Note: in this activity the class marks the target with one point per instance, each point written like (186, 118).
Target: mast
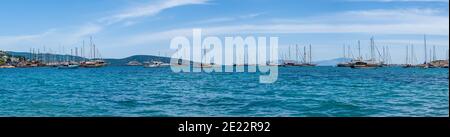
(425, 44)
(434, 52)
(82, 51)
(359, 49)
(372, 50)
(348, 52)
(430, 56)
(95, 50)
(31, 55)
(384, 54)
(76, 53)
(446, 53)
(413, 57)
(310, 54)
(388, 55)
(343, 49)
(304, 54)
(44, 55)
(407, 55)
(289, 54)
(91, 50)
(38, 54)
(296, 53)
(72, 55)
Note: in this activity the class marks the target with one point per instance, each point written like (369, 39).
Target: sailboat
(307, 58)
(69, 64)
(425, 64)
(372, 62)
(201, 64)
(155, 64)
(94, 62)
(407, 62)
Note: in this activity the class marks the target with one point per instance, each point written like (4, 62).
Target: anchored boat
(155, 64)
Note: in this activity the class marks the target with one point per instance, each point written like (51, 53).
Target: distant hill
(144, 58)
(139, 58)
(47, 56)
(332, 62)
(112, 62)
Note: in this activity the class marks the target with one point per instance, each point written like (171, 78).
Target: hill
(112, 62)
(46, 56)
(139, 58)
(144, 58)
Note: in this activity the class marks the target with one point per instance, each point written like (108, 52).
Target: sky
(121, 28)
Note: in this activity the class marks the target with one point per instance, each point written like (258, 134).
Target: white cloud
(71, 35)
(7, 40)
(382, 21)
(228, 19)
(88, 29)
(148, 10)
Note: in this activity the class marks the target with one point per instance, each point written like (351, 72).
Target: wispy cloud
(381, 21)
(148, 10)
(229, 19)
(7, 40)
(76, 33)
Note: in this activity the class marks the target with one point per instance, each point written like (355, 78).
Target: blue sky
(128, 27)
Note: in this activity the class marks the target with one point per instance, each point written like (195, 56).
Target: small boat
(93, 64)
(201, 65)
(7, 66)
(155, 64)
(362, 64)
(72, 66)
(346, 64)
(68, 66)
(305, 65)
(408, 66)
(134, 63)
(425, 66)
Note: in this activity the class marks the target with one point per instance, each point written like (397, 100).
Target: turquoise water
(304, 92)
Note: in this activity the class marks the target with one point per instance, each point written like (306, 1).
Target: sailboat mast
(407, 55)
(384, 54)
(434, 52)
(372, 50)
(359, 49)
(304, 54)
(310, 54)
(95, 50)
(348, 51)
(289, 53)
(343, 49)
(82, 51)
(430, 56)
(71, 55)
(425, 44)
(296, 53)
(413, 57)
(31, 55)
(90, 48)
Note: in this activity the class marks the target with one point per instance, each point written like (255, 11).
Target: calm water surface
(304, 92)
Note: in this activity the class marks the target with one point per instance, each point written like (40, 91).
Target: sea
(123, 91)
